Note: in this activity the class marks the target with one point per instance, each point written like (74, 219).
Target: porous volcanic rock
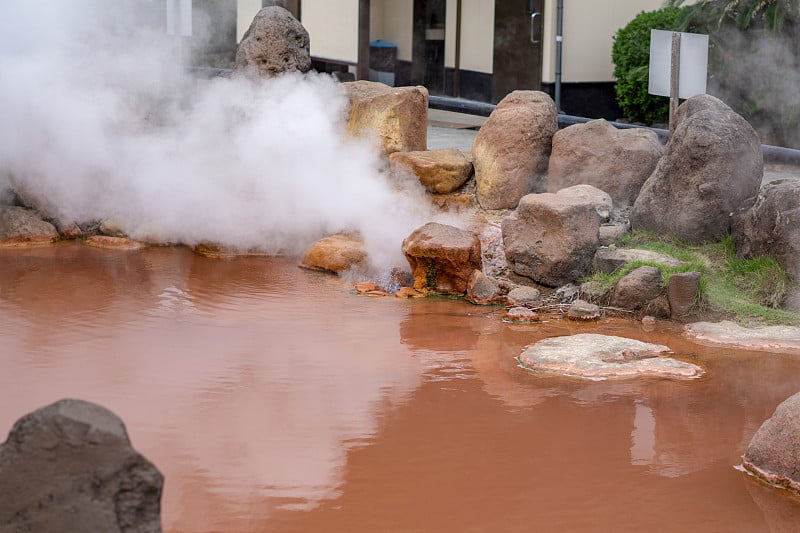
(784, 339)
(439, 171)
(442, 257)
(274, 43)
(512, 149)
(774, 451)
(395, 117)
(637, 289)
(594, 356)
(336, 253)
(596, 153)
(551, 238)
(712, 166)
(481, 289)
(70, 466)
(771, 225)
(608, 260)
(20, 226)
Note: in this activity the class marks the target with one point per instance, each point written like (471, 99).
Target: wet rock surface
(442, 258)
(713, 164)
(274, 43)
(439, 171)
(114, 243)
(20, 227)
(336, 253)
(583, 311)
(70, 466)
(596, 356)
(551, 238)
(596, 153)
(774, 451)
(395, 117)
(771, 225)
(512, 149)
(785, 339)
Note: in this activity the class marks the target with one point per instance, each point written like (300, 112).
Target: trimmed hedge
(631, 57)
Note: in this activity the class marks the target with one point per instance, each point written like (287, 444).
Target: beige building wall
(245, 12)
(333, 27)
(393, 20)
(589, 27)
(477, 35)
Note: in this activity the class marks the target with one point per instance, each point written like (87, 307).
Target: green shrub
(631, 57)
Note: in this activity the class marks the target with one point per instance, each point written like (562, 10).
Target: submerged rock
(274, 43)
(70, 466)
(20, 227)
(774, 451)
(442, 258)
(336, 253)
(785, 339)
(521, 314)
(596, 356)
(395, 117)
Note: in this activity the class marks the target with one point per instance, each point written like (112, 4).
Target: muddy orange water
(275, 399)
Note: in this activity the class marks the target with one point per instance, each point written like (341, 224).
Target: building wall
(245, 11)
(392, 20)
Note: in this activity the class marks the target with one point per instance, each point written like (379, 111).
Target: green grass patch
(749, 290)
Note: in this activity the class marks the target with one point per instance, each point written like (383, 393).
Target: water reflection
(276, 399)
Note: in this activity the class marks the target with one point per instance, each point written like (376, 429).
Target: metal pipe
(362, 70)
(457, 68)
(559, 42)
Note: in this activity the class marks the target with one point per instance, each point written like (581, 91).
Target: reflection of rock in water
(781, 511)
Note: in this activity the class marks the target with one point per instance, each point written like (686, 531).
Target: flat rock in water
(784, 339)
(598, 357)
(114, 243)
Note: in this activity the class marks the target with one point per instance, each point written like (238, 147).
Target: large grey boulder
(442, 258)
(774, 451)
(274, 43)
(395, 118)
(771, 225)
(512, 149)
(613, 160)
(551, 238)
(20, 226)
(712, 166)
(595, 356)
(70, 466)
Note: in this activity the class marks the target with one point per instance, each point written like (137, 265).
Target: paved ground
(457, 130)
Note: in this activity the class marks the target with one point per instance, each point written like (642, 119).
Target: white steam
(97, 121)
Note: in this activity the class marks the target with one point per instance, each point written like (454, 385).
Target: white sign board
(693, 69)
(179, 17)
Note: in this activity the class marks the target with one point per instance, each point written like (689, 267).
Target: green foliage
(631, 56)
(750, 290)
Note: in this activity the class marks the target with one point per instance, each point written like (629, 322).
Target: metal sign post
(678, 67)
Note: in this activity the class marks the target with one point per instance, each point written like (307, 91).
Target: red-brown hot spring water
(276, 399)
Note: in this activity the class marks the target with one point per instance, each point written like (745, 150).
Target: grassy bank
(747, 290)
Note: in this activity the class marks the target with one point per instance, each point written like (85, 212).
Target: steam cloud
(97, 121)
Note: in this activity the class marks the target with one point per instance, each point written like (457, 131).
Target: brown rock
(774, 451)
(712, 166)
(582, 310)
(596, 153)
(369, 288)
(20, 227)
(442, 258)
(512, 149)
(336, 253)
(522, 295)
(439, 171)
(274, 43)
(396, 117)
(770, 225)
(114, 243)
(551, 238)
(682, 292)
(637, 289)
(599, 199)
(521, 314)
(408, 292)
(70, 467)
(482, 290)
